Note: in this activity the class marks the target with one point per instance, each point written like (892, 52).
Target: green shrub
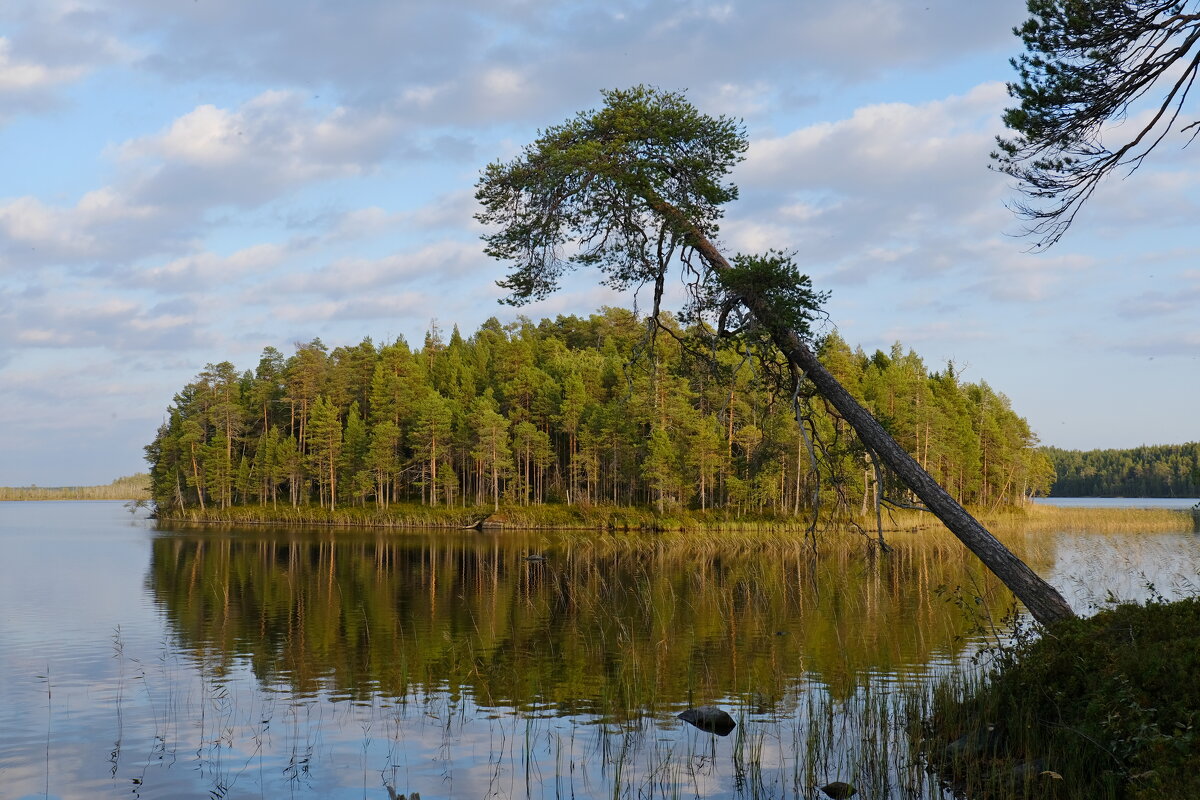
(1108, 703)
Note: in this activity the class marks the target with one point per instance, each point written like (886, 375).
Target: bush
(1108, 703)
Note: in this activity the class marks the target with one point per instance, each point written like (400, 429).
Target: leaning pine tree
(636, 188)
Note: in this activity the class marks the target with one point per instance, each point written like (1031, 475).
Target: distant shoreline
(130, 487)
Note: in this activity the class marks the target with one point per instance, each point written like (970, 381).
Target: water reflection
(251, 663)
(613, 629)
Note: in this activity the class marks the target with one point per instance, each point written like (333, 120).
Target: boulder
(709, 718)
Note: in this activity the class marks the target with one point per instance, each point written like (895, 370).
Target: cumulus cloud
(103, 225)
(19, 75)
(168, 185)
(259, 173)
(439, 263)
(206, 269)
(453, 210)
(464, 63)
(275, 142)
(47, 47)
(893, 186)
(81, 319)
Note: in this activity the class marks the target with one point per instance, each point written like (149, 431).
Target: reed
(516, 517)
(1096, 708)
(1097, 520)
(728, 526)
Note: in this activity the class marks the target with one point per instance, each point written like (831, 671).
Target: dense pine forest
(573, 411)
(1155, 471)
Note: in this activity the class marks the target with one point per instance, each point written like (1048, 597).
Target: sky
(191, 181)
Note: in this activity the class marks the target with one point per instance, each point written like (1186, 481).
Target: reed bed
(541, 517)
(1095, 520)
(729, 525)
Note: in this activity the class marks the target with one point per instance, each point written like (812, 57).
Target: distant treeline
(574, 411)
(130, 487)
(1171, 470)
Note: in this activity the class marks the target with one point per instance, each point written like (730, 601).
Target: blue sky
(191, 182)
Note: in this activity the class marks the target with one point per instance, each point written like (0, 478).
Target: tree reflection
(601, 626)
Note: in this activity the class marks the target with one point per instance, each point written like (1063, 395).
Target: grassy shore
(1104, 707)
(625, 518)
(1112, 520)
(549, 516)
(130, 487)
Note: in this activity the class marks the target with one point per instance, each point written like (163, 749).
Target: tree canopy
(639, 184)
(632, 188)
(1147, 471)
(1089, 64)
(549, 412)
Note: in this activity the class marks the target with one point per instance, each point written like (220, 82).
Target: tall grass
(1096, 708)
(637, 518)
(1095, 520)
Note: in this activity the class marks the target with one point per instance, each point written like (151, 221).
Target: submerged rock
(710, 719)
(838, 790)
(974, 744)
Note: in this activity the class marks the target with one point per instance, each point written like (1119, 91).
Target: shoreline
(634, 519)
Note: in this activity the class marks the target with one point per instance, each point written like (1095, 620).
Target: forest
(1147, 471)
(128, 487)
(574, 411)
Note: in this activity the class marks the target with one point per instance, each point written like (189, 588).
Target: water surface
(266, 663)
(1119, 502)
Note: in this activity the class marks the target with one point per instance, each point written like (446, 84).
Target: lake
(1118, 502)
(211, 663)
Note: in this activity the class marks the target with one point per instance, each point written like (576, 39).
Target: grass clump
(1104, 707)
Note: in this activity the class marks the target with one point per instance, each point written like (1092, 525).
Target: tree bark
(1043, 601)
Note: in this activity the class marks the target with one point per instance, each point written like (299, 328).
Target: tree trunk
(1043, 601)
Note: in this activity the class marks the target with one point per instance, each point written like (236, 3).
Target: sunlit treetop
(590, 191)
(633, 188)
(1089, 63)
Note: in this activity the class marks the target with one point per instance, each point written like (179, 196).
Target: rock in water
(838, 790)
(710, 719)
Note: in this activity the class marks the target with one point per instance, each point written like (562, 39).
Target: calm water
(1119, 502)
(193, 664)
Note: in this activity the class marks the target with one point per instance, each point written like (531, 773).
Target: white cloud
(208, 269)
(273, 143)
(102, 225)
(437, 263)
(17, 75)
(883, 145)
(80, 318)
(893, 186)
(1030, 278)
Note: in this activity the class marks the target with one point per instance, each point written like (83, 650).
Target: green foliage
(1110, 703)
(570, 411)
(1148, 471)
(636, 188)
(774, 277)
(1087, 64)
(587, 192)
